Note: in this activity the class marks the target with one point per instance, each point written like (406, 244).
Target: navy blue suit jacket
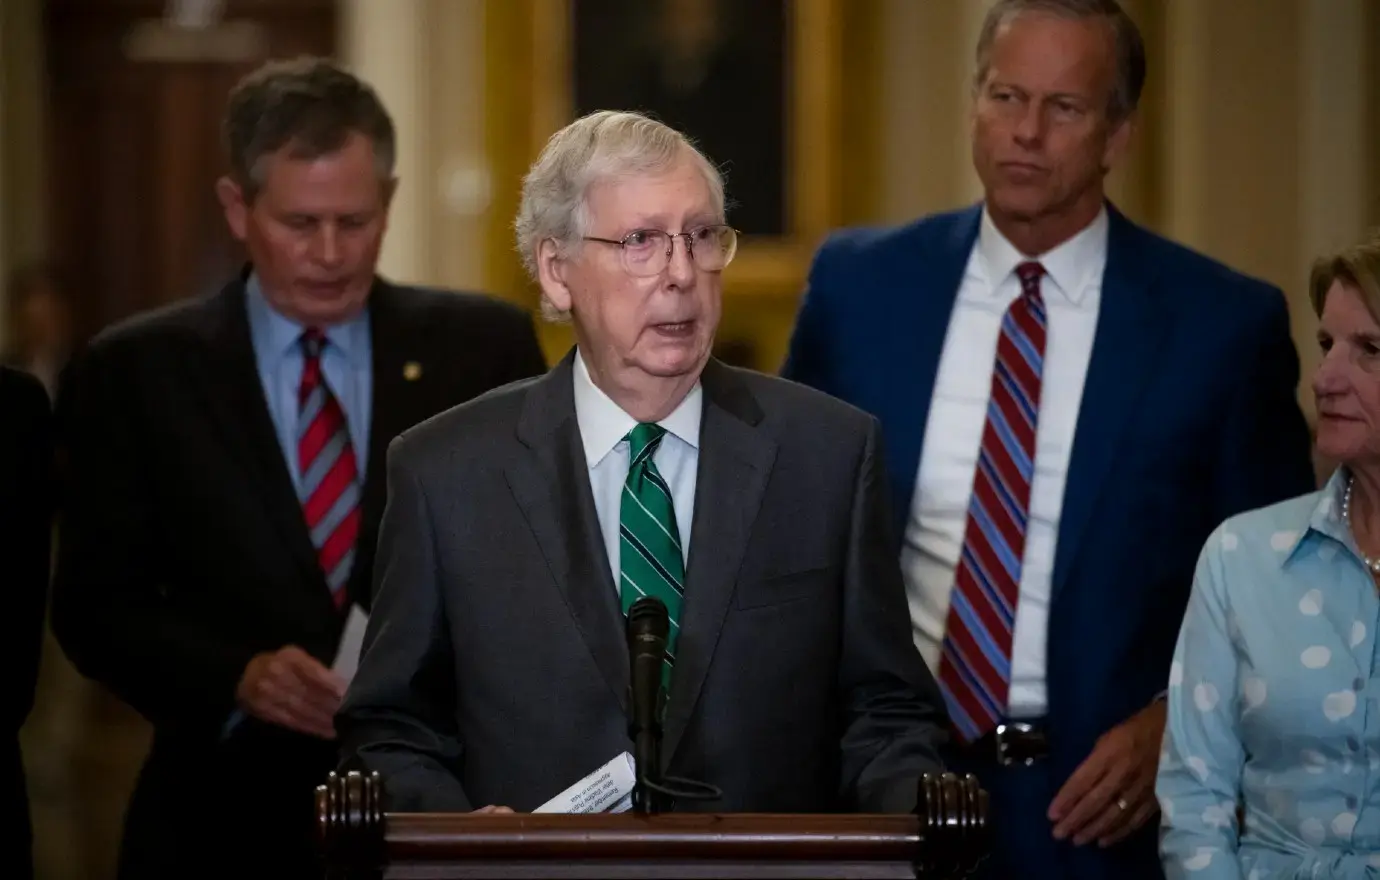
(1188, 416)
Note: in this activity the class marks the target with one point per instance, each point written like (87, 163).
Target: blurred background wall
(1256, 145)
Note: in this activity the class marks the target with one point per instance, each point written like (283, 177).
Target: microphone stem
(647, 756)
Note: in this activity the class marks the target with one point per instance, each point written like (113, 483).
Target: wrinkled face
(1347, 381)
(1042, 139)
(314, 230)
(663, 325)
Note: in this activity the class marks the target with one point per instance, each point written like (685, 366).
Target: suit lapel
(393, 390)
(914, 334)
(1131, 328)
(735, 460)
(551, 485)
(394, 407)
(241, 409)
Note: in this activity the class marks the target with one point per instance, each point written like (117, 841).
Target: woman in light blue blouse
(1274, 692)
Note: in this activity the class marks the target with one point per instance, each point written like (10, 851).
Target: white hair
(593, 148)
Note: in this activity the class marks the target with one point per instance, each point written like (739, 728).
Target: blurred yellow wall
(23, 208)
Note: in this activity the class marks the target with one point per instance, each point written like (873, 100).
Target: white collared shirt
(1072, 291)
(603, 427)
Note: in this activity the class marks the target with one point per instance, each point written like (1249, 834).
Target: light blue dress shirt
(1274, 703)
(603, 426)
(346, 363)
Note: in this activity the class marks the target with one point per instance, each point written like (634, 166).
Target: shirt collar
(1325, 517)
(280, 334)
(603, 423)
(1069, 265)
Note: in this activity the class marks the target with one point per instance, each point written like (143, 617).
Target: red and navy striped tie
(975, 668)
(330, 473)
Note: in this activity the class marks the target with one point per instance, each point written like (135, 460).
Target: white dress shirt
(1072, 290)
(603, 429)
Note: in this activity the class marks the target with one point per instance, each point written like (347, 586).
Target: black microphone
(649, 625)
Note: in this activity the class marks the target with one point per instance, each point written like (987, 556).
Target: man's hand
(290, 688)
(1119, 773)
(492, 810)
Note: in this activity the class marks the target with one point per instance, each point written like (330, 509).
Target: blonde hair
(595, 147)
(1357, 266)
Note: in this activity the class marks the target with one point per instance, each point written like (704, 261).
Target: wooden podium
(945, 838)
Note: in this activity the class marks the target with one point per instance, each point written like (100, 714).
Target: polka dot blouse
(1274, 703)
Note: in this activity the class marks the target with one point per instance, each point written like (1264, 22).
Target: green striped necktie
(650, 557)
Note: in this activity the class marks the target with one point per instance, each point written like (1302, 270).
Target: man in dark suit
(1070, 405)
(227, 477)
(26, 507)
(521, 527)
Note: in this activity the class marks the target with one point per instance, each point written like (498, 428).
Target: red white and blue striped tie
(975, 668)
(330, 473)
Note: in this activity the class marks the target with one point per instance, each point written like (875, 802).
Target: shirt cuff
(235, 720)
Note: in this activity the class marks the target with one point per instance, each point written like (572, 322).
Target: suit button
(1353, 744)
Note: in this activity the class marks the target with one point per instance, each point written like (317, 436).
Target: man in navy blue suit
(1070, 404)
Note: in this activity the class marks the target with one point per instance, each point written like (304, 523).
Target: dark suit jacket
(26, 501)
(1188, 416)
(184, 552)
(495, 666)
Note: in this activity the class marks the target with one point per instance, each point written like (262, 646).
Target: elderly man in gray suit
(520, 527)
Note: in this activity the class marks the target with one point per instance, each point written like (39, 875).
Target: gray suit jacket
(495, 666)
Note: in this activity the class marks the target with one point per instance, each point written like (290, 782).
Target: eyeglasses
(647, 252)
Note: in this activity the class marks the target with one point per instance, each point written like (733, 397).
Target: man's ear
(552, 269)
(235, 207)
(1118, 143)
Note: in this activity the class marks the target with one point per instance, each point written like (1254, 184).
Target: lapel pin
(412, 371)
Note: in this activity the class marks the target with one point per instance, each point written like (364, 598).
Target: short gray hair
(310, 105)
(595, 147)
(1130, 47)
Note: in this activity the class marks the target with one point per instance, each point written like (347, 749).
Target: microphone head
(648, 617)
